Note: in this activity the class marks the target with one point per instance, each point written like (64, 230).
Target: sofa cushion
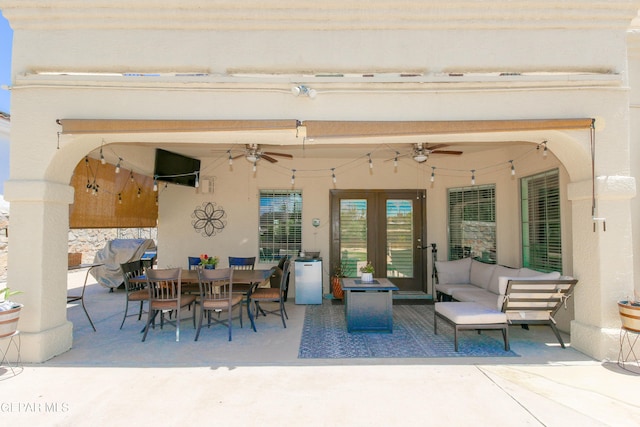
(500, 270)
(504, 280)
(477, 295)
(448, 288)
(527, 272)
(480, 273)
(454, 271)
(469, 313)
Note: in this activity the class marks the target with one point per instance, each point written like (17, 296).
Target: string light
(513, 169)
(155, 184)
(118, 165)
(230, 158)
(293, 177)
(473, 177)
(131, 176)
(197, 184)
(139, 192)
(120, 198)
(333, 175)
(395, 160)
(255, 166)
(102, 159)
(433, 174)
(370, 161)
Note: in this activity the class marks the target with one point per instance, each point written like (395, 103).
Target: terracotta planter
(630, 315)
(336, 288)
(9, 321)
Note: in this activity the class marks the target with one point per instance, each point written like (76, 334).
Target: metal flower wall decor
(208, 220)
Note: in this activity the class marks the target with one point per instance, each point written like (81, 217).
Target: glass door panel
(400, 232)
(353, 235)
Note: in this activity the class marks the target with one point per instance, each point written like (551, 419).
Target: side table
(368, 305)
(12, 341)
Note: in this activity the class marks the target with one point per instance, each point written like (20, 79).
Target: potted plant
(336, 286)
(367, 272)
(9, 312)
(208, 262)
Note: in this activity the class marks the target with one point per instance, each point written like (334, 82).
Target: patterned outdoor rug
(325, 336)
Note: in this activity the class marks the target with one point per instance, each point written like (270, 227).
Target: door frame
(376, 238)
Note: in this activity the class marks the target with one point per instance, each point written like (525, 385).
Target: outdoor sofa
(523, 296)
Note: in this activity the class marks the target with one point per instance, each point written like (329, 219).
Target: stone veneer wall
(86, 241)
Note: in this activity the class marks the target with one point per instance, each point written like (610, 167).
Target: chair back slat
(215, 284)
(130, 270)
(242, 263)
(164, 284)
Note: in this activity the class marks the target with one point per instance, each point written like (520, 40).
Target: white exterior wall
(586, 39)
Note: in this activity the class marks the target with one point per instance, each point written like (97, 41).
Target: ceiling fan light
(253, 157)
(420, 158)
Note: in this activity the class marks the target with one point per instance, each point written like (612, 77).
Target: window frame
(289, 242)
(460, 251)
(545, 262)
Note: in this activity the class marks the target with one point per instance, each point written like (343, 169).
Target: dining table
(244, 281)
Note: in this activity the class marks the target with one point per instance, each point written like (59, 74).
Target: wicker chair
(261, 295)
(216, 295)
(165, 294)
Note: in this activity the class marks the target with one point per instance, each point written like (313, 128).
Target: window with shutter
(472, 223)
(280, 224)
(541, 233)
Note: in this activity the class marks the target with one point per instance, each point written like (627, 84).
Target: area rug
(325, 336)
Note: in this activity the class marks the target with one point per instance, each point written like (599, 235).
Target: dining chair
(216, 296)
(242, 263)
(194, 261)
(134, 291)
(165, 295)
(260, 295)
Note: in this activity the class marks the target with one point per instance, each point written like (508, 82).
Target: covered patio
(344, 97)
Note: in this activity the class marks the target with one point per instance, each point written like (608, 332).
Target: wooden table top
(239, 276)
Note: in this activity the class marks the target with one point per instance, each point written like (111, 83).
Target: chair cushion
(480, 273)
(266, 293)
(454, 271)
(141, 295)
(469, 313)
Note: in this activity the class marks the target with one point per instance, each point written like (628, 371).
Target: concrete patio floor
(111, 377)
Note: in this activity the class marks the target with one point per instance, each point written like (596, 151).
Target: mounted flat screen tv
(176, 168)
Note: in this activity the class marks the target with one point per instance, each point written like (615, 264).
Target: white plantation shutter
(541, 232)
(280, 224)
(472, 222)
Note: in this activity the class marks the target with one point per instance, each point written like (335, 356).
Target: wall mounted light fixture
(304, 90)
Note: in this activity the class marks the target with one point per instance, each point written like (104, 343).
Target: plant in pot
(336, 286)
(367, 271)
(9, 312)
(208, 262)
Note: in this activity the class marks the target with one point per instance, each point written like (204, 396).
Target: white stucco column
(38, 239)
(603, 263)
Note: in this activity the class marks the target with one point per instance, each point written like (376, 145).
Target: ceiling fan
(253, 153)
(421, 152)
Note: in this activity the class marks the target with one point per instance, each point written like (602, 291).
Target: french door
(385, 227)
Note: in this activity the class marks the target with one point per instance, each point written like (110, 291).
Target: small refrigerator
(308, 280)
